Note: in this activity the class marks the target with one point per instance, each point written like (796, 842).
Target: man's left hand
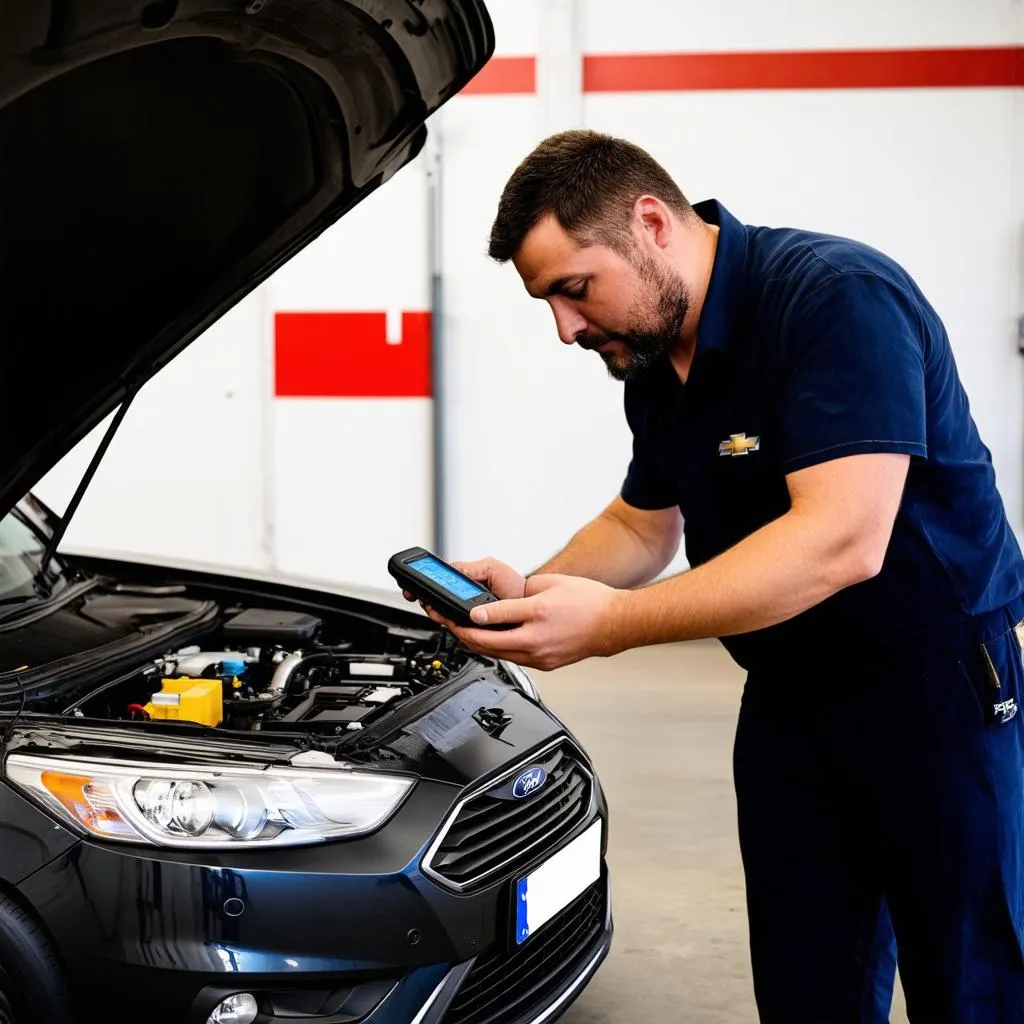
(562, 620)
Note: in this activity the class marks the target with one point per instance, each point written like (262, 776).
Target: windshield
(21, 556)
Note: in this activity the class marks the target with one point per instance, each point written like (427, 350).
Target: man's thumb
(500, 612)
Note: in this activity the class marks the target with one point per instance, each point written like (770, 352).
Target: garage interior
(389, 385)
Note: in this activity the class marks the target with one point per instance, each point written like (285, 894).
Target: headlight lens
(185, 807)
(522, 679)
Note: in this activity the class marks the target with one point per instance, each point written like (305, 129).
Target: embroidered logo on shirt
(739, 444)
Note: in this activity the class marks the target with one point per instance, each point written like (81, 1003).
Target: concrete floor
(659, 724)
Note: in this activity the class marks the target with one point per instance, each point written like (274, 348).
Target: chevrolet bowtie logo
(739, 444)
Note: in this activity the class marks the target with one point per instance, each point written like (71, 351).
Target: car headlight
(521, 678)
(208, 808)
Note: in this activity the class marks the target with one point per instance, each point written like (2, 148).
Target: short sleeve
(853, 378)
(646, 485)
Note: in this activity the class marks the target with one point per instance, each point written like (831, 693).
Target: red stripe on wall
(347, 355)
(820, 69)
(504, 75)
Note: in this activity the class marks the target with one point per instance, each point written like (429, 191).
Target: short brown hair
(590, 182)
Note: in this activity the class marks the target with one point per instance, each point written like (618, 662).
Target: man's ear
(652, 218)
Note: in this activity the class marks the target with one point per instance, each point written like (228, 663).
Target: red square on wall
(347, 355)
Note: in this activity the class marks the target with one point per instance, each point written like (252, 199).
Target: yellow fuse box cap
(188, 700)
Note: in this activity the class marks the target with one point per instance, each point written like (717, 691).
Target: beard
(652, 332)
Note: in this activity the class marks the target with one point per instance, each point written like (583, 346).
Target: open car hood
(161, 159)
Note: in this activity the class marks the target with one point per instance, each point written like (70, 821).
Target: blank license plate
(551, 887)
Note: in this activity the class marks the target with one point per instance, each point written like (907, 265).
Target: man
(796, 414)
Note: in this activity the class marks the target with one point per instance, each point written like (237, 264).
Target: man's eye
(579, 292)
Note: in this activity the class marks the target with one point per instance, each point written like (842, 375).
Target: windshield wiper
(76, 498)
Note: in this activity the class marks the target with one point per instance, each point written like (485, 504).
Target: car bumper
(326, 935)
(444, 994)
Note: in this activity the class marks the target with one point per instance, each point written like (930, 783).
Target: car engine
(275, 670)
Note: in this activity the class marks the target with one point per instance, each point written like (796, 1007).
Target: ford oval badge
(529, 782)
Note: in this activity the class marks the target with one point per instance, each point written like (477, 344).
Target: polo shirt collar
(718, 317)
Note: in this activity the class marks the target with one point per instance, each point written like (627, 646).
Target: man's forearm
(608, 550)
(778, 572)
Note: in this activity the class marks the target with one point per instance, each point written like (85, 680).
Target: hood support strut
(83, 484)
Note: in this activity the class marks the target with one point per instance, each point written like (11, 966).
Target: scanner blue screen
(445, 577)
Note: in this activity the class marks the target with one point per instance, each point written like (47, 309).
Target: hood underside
(160, 159)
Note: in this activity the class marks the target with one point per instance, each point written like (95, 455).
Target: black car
(230, 799)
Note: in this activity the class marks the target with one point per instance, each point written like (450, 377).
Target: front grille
(494, 832)
(502, 986)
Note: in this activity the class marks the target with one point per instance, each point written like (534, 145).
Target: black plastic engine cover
(327, 709)
(271, 626)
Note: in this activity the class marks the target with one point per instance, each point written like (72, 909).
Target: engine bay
(279, 670)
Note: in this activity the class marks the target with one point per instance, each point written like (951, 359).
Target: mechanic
(793, 400)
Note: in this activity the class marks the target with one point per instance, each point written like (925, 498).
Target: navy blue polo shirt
(809, 348)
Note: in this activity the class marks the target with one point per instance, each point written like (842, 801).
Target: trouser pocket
(995, 672)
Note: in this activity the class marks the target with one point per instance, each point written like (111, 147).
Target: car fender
(29, 838)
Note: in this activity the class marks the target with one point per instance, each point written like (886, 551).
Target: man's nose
(568, 321)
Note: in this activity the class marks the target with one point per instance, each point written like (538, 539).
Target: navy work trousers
(881, 815)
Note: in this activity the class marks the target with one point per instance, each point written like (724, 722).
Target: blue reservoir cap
(232, 668)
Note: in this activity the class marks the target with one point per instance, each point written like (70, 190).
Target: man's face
(628, 308)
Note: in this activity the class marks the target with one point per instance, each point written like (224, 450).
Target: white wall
(211, 465)
(354, 474)
(659, 26)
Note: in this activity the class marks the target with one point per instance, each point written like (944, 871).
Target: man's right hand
(500, 579)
